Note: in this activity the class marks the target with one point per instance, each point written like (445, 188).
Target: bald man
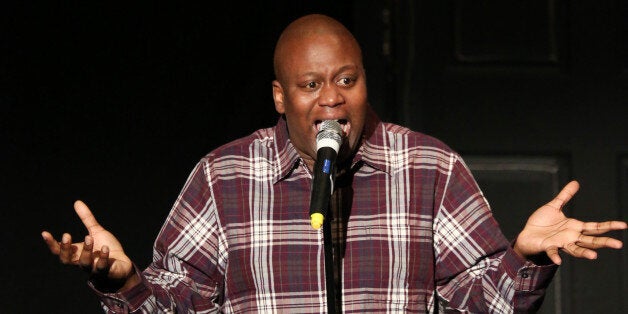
(412, 230)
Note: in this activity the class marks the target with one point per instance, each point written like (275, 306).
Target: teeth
(343, 124)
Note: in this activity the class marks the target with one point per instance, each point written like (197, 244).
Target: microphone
(328, 141)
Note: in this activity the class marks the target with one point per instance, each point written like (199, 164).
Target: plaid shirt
(413, 233)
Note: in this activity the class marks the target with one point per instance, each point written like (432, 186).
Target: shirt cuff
(127, 301)
(528, 276)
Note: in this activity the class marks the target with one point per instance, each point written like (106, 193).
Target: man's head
(319, 76)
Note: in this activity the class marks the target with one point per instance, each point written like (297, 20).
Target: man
(415, 231)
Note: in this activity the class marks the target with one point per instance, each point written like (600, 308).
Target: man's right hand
(101, 254)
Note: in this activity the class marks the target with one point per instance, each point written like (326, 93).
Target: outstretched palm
(549, 230)
(101, 254)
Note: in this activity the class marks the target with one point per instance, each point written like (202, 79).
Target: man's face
(322, 78)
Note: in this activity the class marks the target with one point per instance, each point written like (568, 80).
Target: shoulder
(408, 139)
(409, 149)
(394, 148)
(242, 149)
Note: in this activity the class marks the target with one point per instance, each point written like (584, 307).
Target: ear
(278, 97)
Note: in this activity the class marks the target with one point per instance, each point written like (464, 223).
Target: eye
(346, 81)
(309, 85)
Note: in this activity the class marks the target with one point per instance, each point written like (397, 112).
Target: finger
(65, 253)
(579, 251)
(86, 216)
(53, 245)
(594, 228)
(102, 264)
(85, 260)
(565, 195)
(552, 253)
(590, 242)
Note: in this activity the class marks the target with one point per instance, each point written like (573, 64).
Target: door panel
(542, 79)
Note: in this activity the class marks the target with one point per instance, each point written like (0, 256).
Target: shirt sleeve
(476, 268)
(187, 271)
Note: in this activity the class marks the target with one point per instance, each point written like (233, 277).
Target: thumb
(565, 195)
(87, 217)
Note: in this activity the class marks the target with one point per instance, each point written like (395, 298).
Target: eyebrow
(342, 69)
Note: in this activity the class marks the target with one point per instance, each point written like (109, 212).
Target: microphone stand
(328, 141)
(329, 262)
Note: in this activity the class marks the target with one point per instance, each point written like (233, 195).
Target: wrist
(116, 285)
(537, 258)
(131, 282)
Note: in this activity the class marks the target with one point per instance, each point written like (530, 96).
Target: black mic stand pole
(329, 262)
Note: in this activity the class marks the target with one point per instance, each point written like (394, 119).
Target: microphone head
(329, 135)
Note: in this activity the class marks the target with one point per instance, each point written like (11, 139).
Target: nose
(330, 96)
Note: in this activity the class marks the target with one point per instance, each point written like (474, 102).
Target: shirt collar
(372, 150)
(287, 156)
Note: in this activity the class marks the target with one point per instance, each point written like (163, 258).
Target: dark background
(114, 103)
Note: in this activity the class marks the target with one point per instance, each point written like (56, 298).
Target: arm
(187, 271)
(189, 258)
(180, 277)
(476, 268)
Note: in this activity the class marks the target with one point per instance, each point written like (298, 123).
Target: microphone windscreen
(329, 135)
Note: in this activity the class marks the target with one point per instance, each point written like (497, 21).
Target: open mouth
(344, 124)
